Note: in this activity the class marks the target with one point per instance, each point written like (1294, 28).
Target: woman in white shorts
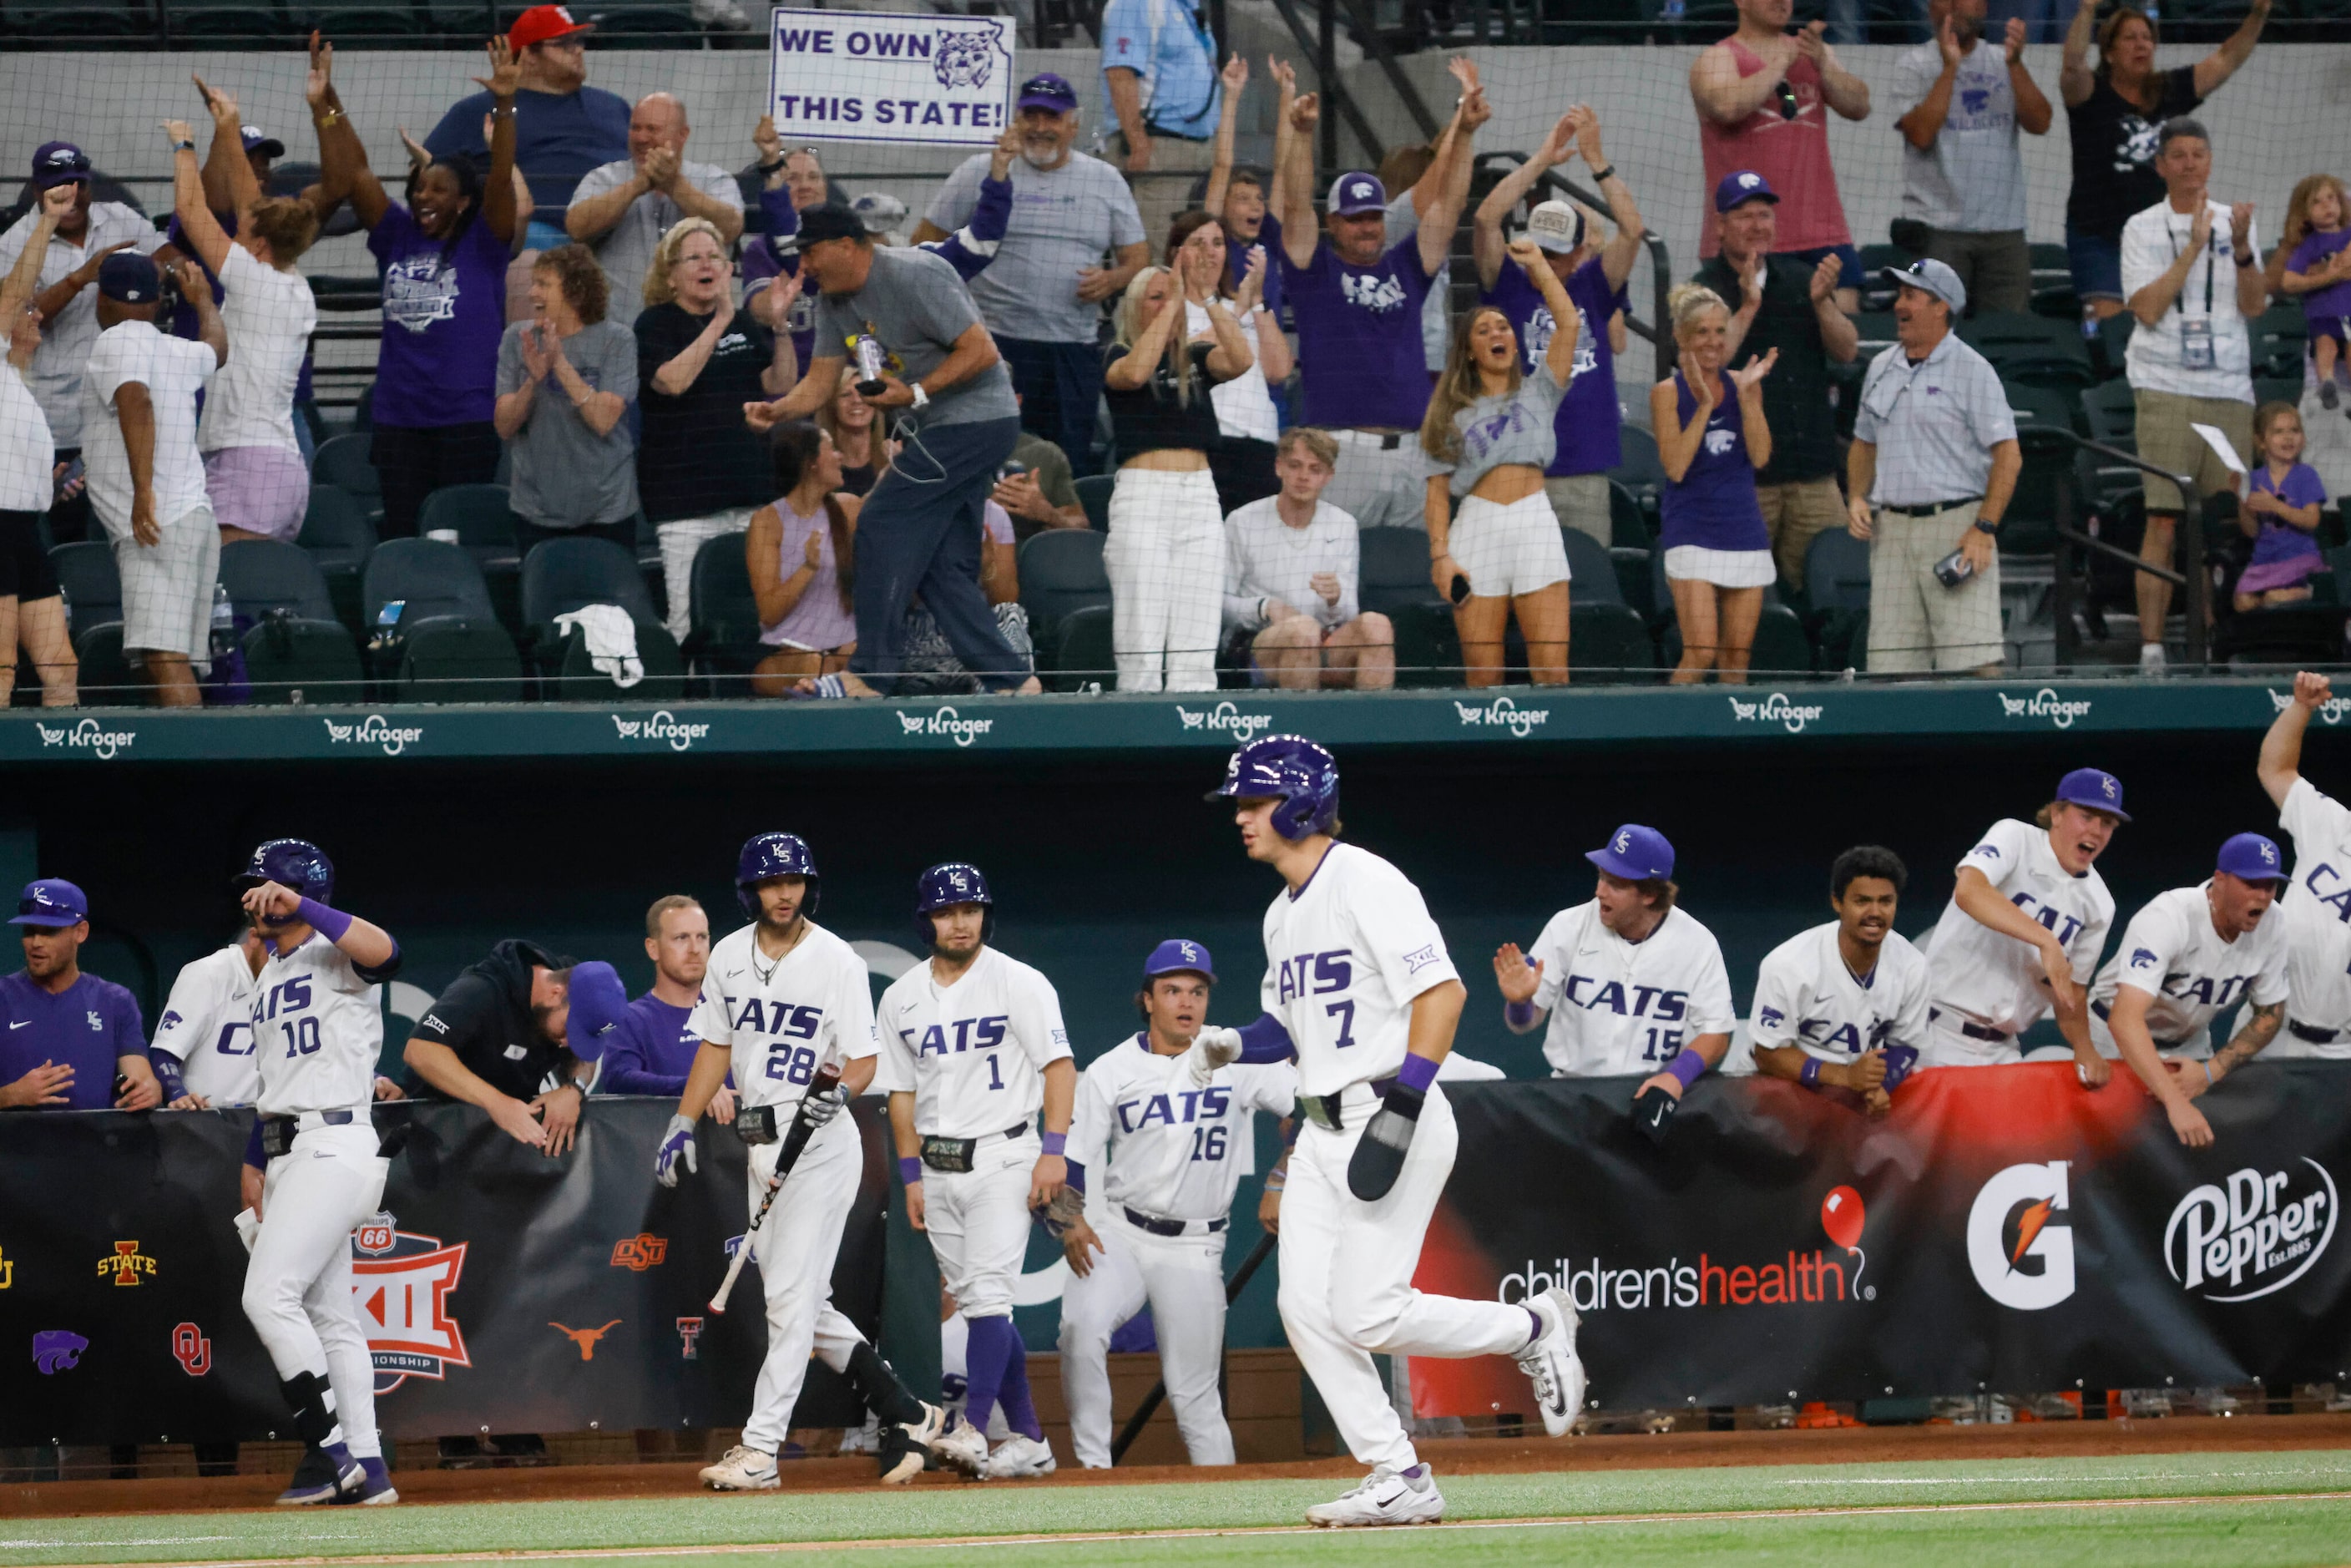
(1712, 438)
(1486, 439)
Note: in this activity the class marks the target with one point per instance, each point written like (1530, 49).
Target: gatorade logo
(2021, 1237)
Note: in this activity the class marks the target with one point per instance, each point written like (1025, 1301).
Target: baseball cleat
(1018, 1459)
(1551, 1362)
(899, 1457)
(375, 1488)
(743, 1469)
(320, 1478)
(925, 1432)
(1384, 1497)
(962, 1447)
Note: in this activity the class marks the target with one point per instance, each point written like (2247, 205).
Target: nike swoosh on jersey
(26, 1023)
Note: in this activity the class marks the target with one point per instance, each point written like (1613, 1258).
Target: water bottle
(223, 639)
(872, 360)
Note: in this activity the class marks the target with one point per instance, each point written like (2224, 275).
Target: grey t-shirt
(1512, 427)
(565, 474)
(1973, 179)
(1062, 219)
(626, 249)
(916, 306)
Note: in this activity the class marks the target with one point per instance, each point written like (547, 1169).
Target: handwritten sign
(872, 76)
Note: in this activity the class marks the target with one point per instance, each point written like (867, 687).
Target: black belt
(1325, 1111)
(953, 1155)
(277, 1133)
(1169, 1227)
(1973, 1030)
(1932, 508)
(2313, 1033)
(1389, 441)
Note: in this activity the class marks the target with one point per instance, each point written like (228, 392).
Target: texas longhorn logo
(402, 1282)
(129, 1265)
(586, 1338)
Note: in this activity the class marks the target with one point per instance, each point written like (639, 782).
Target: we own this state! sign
(872, 76)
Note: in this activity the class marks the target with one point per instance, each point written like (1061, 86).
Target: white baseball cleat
(1551, 1362)
(1384, 1497)
(962, 1447)
(1018, 1459)
(743, 1469)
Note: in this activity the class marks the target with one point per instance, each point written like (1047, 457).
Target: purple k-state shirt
(444, 311)
(1359, 343)
(1589, 421)
(650, 1052)
(85, 1027)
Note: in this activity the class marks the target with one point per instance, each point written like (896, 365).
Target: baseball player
(782, 998)
(1843, 1005)
(2316, 907)
(1359, 990)
(1157, 1151)
(1629, 982)
(318, 1028)
(2021, 934)
(2190, 954)
(203, 1051)
(981, 1086)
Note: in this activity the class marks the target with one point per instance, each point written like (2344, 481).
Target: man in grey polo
(1933, 465)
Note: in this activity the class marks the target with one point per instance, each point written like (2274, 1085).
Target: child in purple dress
(2281, 511)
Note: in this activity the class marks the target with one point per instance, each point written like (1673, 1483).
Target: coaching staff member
(518, 1034)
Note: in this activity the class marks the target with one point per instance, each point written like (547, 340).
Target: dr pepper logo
(2252, 1235)
(403, 1283)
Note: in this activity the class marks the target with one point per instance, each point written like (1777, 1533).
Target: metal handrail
(2195, 584)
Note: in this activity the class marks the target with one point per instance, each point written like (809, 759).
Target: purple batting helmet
(1289, 768)
(943, 888)
(297, 863)
(773, 854)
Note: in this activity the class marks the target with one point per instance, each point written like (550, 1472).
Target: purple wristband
(1687, 1065)
(1416, 1074)
(1055, 1143)
(1811, 1075)
(329, 923)
(910, 1168)
(1519, 1014)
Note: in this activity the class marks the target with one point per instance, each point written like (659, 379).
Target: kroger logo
(1502, 713)
(2043, 704)
(89, 736)
(663, 725)
(2332, 710)
(373, 730)
(1776, 709)
(2252, 1236)
(944, 721)
(1226, 718)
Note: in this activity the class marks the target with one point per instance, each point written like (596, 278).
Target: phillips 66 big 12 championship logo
(402, 1282)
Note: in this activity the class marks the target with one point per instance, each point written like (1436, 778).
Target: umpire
(518, 1034)
(1936, 411)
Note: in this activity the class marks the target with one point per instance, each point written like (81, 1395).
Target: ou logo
(2021, 1237)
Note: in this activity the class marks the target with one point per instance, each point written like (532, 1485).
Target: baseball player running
(2190, 954)
(1629, 981)
(1359, 990)
(1843, 1005)
(318, 1028)
(982, 1138)
(2316, 906)
(1158, 1152)
(782, 998)
(2021, 934)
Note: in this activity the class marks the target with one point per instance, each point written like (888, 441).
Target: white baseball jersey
(1996, 980)
(1344, 956)
(2316, 911)
(782, 1021)
(208, 1025)
(974, 1053)
(1173, 1150)
(1627, 1006)
(1805, 997)
(2171, 951)
(318, 1028)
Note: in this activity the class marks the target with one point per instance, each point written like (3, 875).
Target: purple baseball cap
(1742, 186)
(1047, 90)
(59, 164)
(259, 141)
(2098, 792)
(599, 1002)
(2251, 858)
(1356, 192)
(1635, 853)
(53, 903)
(1177, 957)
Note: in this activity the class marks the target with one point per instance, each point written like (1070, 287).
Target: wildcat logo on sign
(403, 1283)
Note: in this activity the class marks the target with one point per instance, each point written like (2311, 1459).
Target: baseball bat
(1158, 1394)
(788, 1156)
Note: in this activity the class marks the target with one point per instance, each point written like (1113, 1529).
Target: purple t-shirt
(1714, 507)
(85, 1027)
(1588, 421)
(1359, 347)
(443, 318)
(651, 1052)
(2300, 487)
(2335, 299)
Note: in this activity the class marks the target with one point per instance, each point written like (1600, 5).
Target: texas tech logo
(2252, 1235)
(403, 1283)
(2021, 1237)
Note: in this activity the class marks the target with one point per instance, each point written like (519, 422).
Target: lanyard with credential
(2209, 271)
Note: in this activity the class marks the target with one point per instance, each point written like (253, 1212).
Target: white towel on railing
(612, 638)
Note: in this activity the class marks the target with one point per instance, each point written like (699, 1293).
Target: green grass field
(2251, 1508)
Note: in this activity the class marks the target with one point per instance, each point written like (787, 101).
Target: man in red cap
(563, 126)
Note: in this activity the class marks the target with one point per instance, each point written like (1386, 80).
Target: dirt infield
(1470, 1456)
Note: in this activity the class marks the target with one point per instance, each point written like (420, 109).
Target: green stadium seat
(227, 21)
(263, 576)
(337, 534)
(1633, 578)
(458, 659)
(93, 590)
(1780, 645)
(574, 677)
(1591, 572)
(722, 611)
(1640, 471)
(1629, 522)
(292, 658)
(106, 678)
(561, 575)
(1093, 495)
(348, 462)
(482, 519)
(431, 579)
(1083, 650)
(1060, 573)
(1608, 645)
(2031, 349)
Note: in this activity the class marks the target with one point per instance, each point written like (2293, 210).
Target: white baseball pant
(1347, 1277)
(1946, 1046)
(977, 1221)
(1165, 559)
(794, 1247)
(1183, 1278)
(297, 1284)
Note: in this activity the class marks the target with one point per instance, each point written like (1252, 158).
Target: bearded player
(1359, 990)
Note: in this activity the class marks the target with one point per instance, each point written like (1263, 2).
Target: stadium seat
(1093, 495)
(562, 575)
(1591, 572)
(1836, 590)
(482, 519)
(290, 658)
(458, 659)
(106, 678)
(1608, 645)
(349, 25)
(2112, 341)
(1060, 574)
(2112, 411)
(1629, 523)
(2280, 340)
(2033, 349)
(575, 678)
(2285, 637)
(348, 462)
(100, 19)
(1639, 470)
(364, 410)
(431, 579)
(723, 611)
(2277, 389)
(1633, 580)
(1082, 654)
(224, 21)
(1781, 646)
(266, 575)
(339, 537)
(93, 590)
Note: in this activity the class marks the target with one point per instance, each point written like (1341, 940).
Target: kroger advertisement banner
(876, 76)
(2002, 1227)
(501, 1288)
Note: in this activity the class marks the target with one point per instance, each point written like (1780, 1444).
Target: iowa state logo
(402, 1282)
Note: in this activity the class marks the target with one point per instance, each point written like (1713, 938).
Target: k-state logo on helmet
(2021, 1237)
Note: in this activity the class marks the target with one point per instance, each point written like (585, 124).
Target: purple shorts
(264, 490)
(2328, 327)
(2271, 576)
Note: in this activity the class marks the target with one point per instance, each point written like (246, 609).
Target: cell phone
(121, 1084)
(1460, 592)
(1011, 471)
(1954, 568)
(70, 480)
(387, 615)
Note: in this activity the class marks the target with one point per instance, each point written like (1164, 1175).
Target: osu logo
(127, 1264)
(403, 1283)
(2257, 1235)
(2021, 1237)
(640, 1252)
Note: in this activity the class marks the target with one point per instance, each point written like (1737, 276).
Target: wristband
(1278, 1181)
(1416, 1073)
(1687, 1065)
(771, 168)
(183, 147)
(1521, 1015)
(910, 1169)
(1055, 1143)
(1603, 176)
(1987, 526)
(1809, 1077)
(2208, 1079)
(329, 923)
